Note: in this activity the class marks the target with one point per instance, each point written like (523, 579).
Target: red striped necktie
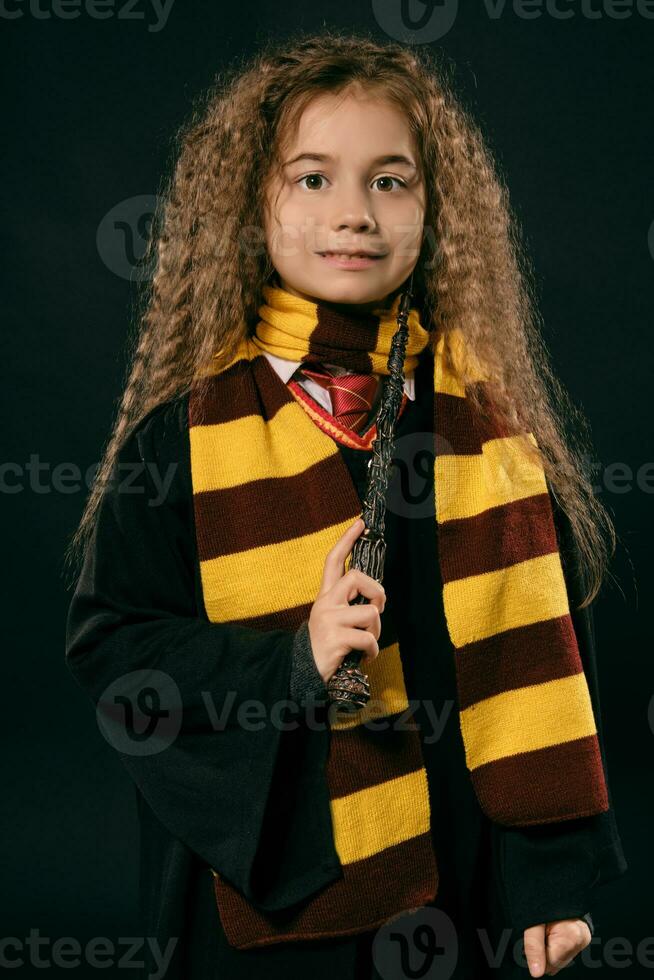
(352, 395)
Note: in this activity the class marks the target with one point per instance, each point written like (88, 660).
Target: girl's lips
(350, 261)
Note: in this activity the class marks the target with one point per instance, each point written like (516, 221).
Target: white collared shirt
(285, 369)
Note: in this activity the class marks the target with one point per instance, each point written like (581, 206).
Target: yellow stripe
(444, 381)
(387, 691)
(526, 719)
(249, 448)
(242, 351)
(469, 485)
(527, 592)
(381, 816)
(289, 574)
(447, 380)
(279, 342)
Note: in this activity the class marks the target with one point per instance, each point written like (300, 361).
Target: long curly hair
(472, 273)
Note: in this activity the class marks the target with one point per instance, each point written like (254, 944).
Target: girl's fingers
(334, 567)
(361, 617)
(355, 583)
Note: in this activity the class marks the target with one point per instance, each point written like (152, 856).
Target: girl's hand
(565, 938)
(333, 622)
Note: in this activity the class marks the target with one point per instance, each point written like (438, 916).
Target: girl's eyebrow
(378, 161)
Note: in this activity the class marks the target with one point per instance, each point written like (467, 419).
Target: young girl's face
(351, 182)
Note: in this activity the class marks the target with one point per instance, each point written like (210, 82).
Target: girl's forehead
(328, 109)
(333, 125)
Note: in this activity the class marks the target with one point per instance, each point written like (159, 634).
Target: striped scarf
(272, 495)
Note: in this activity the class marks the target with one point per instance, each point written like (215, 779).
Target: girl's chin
(341, 288)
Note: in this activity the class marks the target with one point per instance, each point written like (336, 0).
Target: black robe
(253, 804)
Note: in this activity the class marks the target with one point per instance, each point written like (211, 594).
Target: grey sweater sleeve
(589, 921)
(306, 680)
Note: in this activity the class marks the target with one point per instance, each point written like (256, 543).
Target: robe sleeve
(549, 872)
(200, 713)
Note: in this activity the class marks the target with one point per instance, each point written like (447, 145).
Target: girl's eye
(321, 178)
(388, 177)
(310, 177)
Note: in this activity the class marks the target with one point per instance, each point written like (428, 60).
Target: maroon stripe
(351, 338)
(496, 538)
(514, 658)
(282, 619)
(236, 392)
(462, 431)
(286, 507)
(397, 879)
(361, 757)
(560, 782)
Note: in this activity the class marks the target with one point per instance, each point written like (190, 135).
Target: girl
(469, 797)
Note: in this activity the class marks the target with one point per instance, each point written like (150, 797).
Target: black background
(90, 108)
